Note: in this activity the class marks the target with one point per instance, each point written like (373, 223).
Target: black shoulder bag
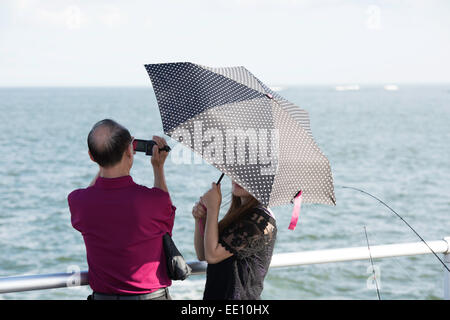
(177, 268)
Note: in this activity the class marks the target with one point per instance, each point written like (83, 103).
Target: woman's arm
(213, 250)
(198, 239)
(199, 214)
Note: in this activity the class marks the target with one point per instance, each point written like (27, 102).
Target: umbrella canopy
(249, 132)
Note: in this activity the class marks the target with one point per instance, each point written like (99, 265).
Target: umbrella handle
(220, 179)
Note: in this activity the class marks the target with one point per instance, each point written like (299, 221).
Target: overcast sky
(101, 43)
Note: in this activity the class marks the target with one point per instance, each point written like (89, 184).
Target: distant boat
(276, 89)
(352, 87)
(391, 87)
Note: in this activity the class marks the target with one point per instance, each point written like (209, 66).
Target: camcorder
(147, 146)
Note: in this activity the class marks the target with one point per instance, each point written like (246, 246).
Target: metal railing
(61, 280)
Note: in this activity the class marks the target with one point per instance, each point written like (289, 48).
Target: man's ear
(90, 156)
(129, 151)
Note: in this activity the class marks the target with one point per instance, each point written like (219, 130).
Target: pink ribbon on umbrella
(296, 210)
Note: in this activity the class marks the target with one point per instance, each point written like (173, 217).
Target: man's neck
(114, 172)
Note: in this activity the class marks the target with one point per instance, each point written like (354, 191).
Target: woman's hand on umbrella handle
(199, 211)
(212, 198)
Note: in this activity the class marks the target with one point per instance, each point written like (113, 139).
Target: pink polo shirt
(122, 224)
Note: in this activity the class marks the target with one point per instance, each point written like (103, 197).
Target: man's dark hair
(107, 141)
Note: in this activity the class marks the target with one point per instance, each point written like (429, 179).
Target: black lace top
(241, 276)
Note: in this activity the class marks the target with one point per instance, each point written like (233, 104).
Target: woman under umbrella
(238, 249)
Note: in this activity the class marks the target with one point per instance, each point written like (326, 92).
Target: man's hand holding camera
(158, 157)
(157, 160)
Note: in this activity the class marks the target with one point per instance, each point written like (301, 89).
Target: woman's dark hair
(237, 210)
(108, 151)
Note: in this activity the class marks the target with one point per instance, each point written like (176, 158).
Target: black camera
(147, 146)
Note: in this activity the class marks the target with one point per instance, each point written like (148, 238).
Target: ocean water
(393, 144)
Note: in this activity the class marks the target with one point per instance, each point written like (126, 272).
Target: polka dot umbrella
(249, 132)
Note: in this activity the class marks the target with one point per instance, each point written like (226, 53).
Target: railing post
(446, 273)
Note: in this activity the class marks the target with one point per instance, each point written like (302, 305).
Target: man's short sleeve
(72, 200)
(165, 214)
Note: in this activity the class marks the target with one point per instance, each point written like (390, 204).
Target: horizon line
(368, 84)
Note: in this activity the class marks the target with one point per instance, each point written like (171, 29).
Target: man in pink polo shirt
(122, 223)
